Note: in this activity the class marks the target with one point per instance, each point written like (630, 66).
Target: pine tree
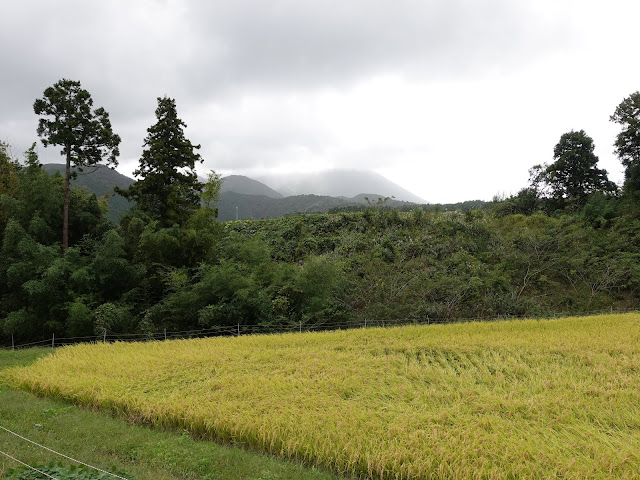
(169, 189)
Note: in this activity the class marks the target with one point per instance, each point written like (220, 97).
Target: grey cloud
(128, 53)
(131, 50)
(293, 44)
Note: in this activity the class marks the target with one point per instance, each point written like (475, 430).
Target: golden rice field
(514, 399)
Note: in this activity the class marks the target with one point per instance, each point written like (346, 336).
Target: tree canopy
(85, 135)
(169, 189)
(574, 174)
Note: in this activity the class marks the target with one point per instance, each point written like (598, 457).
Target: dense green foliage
(452, 265)
(310, 269)
(568, 243)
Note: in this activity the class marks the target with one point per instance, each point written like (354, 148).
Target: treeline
(140, 275)
(568, 243)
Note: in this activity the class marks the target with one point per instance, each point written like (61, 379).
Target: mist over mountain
(338, 183)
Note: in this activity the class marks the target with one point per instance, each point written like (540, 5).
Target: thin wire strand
(61, 454)
(27, 465)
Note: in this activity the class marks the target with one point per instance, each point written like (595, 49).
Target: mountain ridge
(241, 197)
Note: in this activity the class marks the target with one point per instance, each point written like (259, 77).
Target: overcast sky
(452, 99)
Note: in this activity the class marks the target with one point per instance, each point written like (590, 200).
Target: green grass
(108, 442)
(21, 358)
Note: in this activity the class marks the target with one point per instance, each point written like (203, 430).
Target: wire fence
(239, 329)
(34, 469)
(43, 447)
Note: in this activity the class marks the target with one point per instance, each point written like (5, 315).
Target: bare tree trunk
(65, 204)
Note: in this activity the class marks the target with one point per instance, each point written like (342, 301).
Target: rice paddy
(513, 399)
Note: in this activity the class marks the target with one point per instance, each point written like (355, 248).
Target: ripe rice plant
(512, 399)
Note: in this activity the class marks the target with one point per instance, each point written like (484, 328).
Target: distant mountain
(99, 180)
(339, 183)
(247, 186)
(239, 206)
(240, 197)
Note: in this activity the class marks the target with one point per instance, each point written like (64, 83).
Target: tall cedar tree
(169, 189)
(627, 144)
(85, 136)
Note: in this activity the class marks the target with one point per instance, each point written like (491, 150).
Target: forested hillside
(568, 243)
(451, 265)
(378, 264)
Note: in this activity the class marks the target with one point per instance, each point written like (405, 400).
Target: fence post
(165, 334)
(238, 330)
(365, 322)
(104, 337)
(300, 326)
(53, 341)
